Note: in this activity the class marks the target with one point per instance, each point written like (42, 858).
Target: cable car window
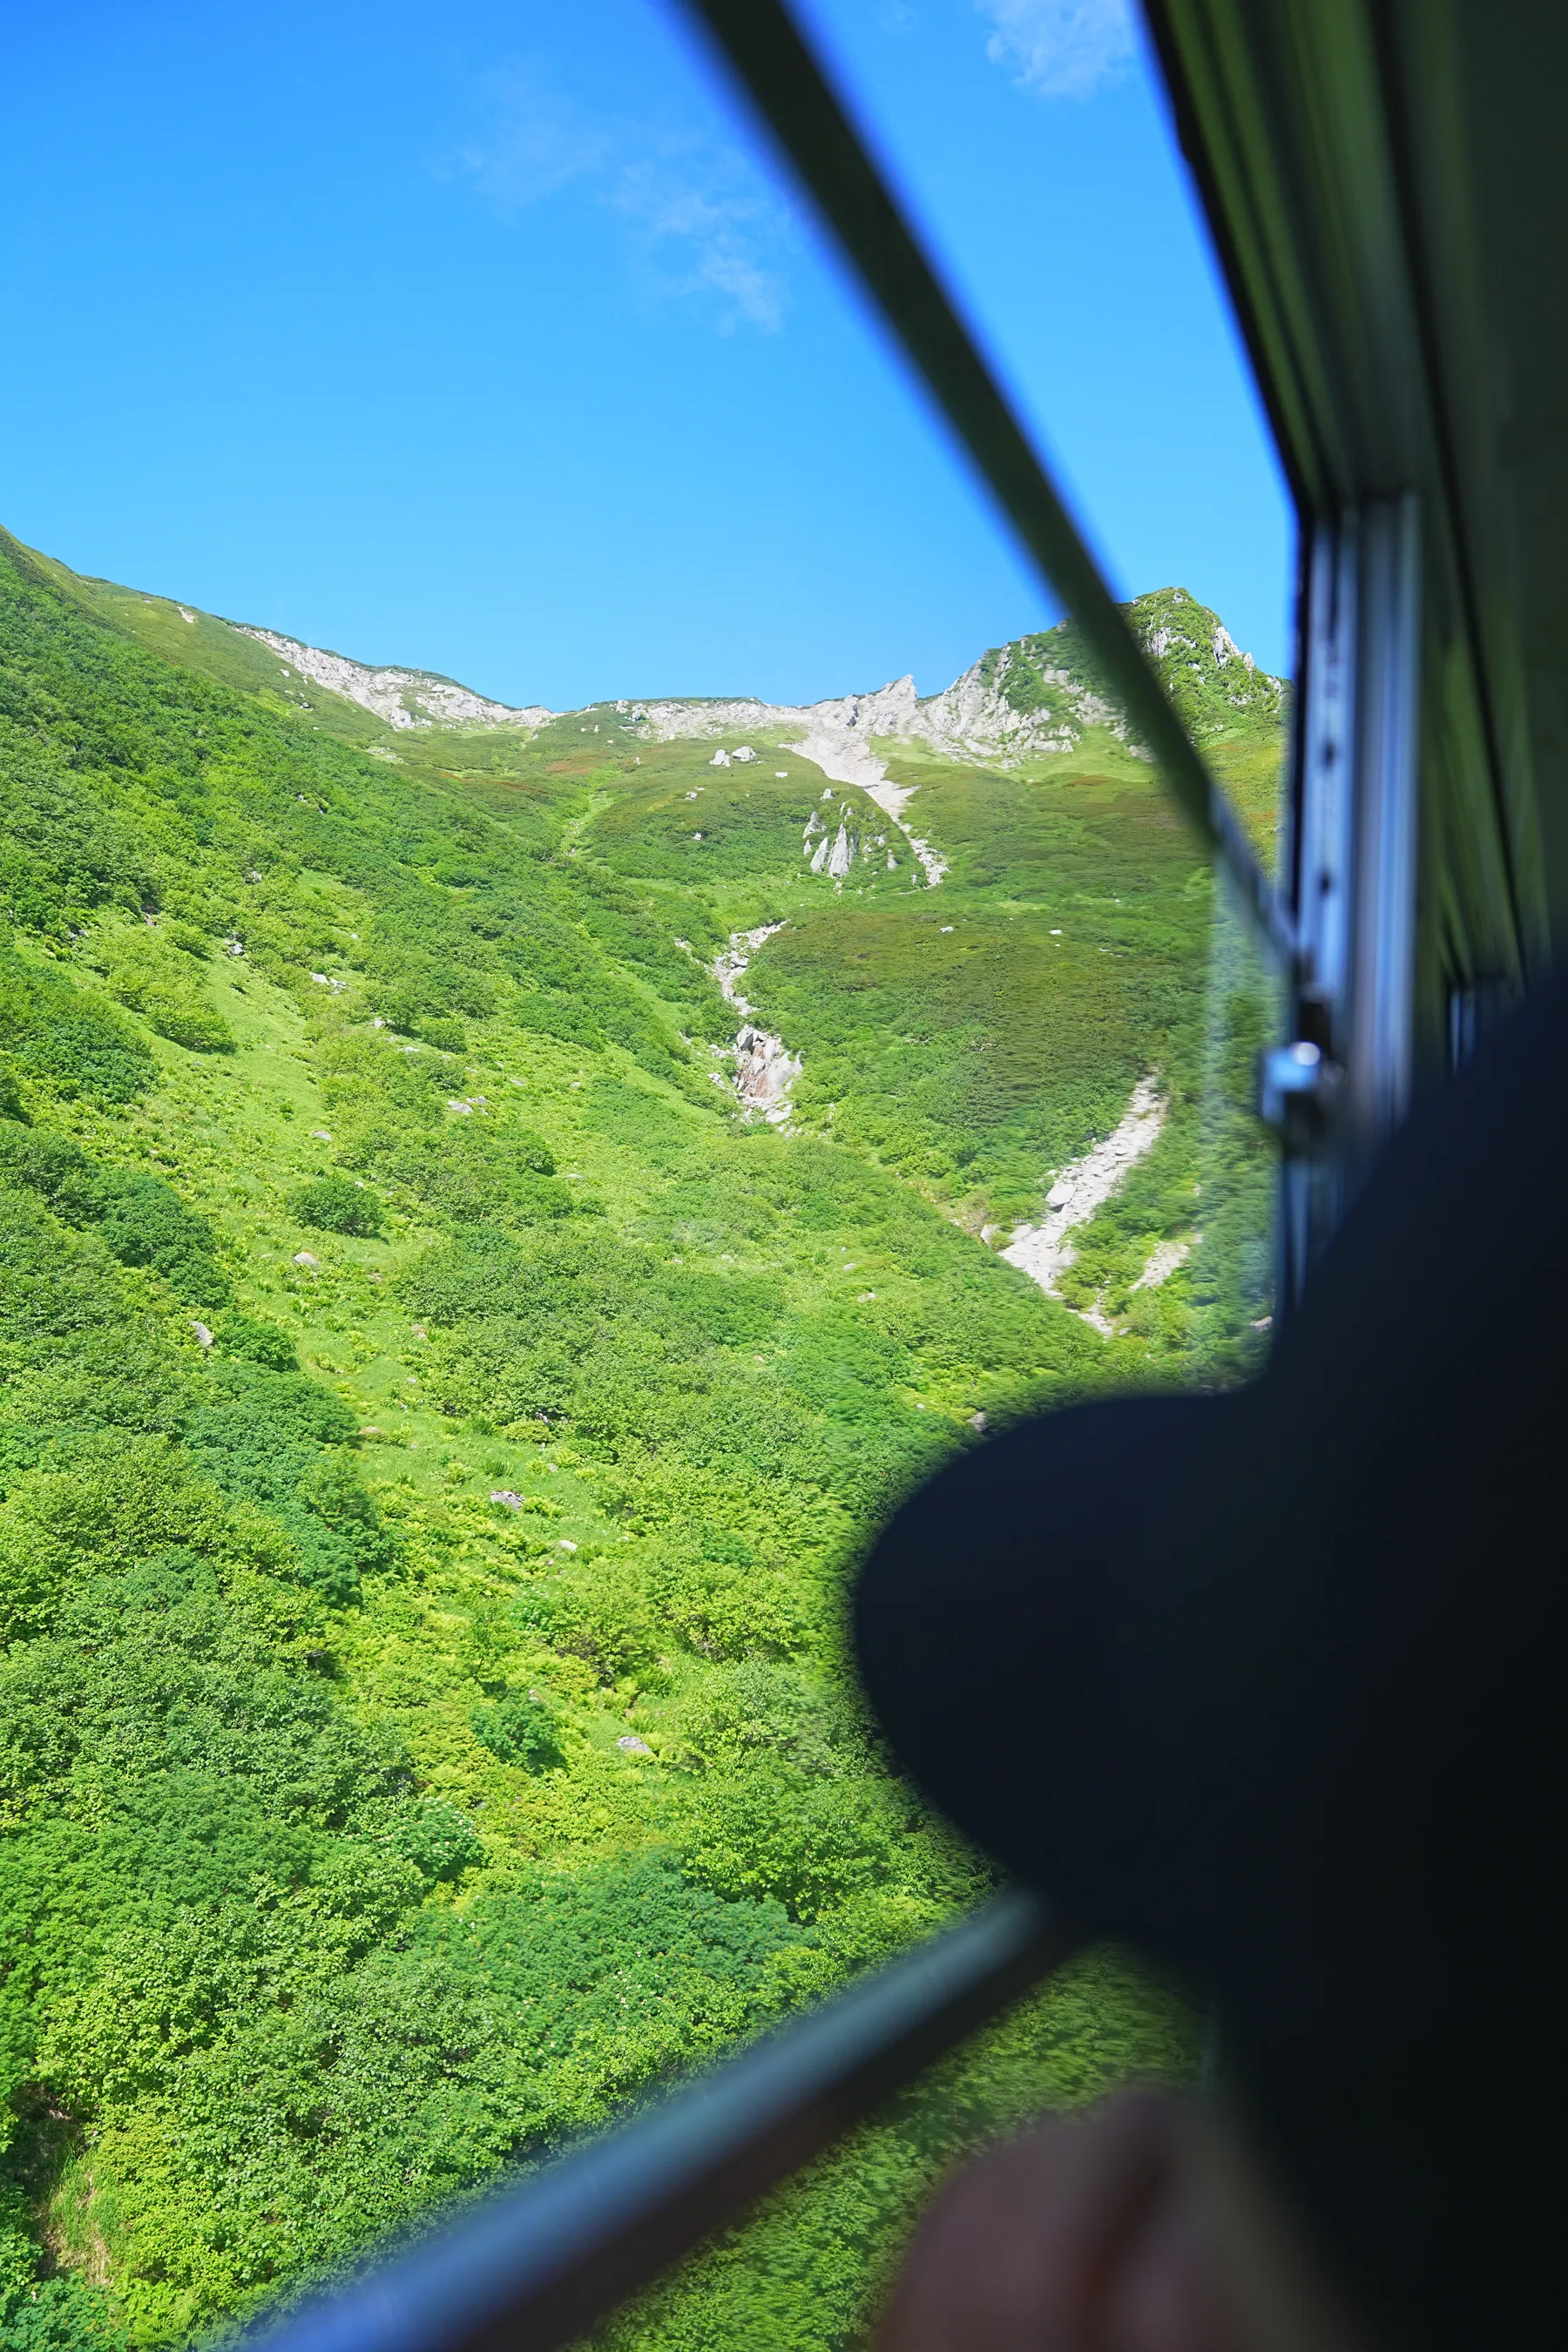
(597, 981)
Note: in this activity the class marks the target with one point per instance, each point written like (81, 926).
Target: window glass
(594, 988)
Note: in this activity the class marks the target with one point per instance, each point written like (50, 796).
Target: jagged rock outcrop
(1027, 699)
(402, 697)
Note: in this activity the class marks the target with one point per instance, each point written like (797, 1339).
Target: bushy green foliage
(278, 1441)
(62, 854)
(152, 974)
(450, 1036)
(334, 1205)
(520, 1730)
(73, 1046)
(473, 1175)
(141, 1220)
(41, 2313)
(256, 1341)
(810, 2270)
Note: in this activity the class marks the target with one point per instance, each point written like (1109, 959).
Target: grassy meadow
(437, 1428)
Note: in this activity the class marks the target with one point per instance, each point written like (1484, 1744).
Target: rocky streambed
(765, 1069)
(1044, 1251)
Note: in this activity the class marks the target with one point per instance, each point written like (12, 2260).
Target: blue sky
(490, 338)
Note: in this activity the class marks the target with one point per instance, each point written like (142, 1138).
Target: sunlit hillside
(494, 1208)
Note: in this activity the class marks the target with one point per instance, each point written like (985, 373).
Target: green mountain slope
(436, 1421)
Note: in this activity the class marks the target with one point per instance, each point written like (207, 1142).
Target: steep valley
(493, 1214)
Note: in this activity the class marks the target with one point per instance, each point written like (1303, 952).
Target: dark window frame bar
(535, 2265)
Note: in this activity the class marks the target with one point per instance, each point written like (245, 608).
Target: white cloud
(535, 144)
(699, 229)
(1061, 48)
(702, 224)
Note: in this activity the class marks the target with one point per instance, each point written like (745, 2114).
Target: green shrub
(520, 1730)
(177, 1008)
(39, 2314)
(758, 1709)
(186, 1021)
(602, 1614)
(440, 1842)
(333, 1204)
(52, 1286)
(481, 1175)
(144, 1223)
(114, 1501)
(88, 1055)
(141, 1219)
(449, 1036)
(281, 1442)
(810, 1844)
(54, 1032)
(255, 1341)
(62, 853)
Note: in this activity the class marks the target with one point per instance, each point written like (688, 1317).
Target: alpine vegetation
(494, 1207)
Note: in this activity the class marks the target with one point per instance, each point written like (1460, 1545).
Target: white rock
(506, 1495)
(765, 1072)
(1161, 1264)
(204, 1337)
(306, 1257)
(1044, 1251)
(402, 697)
(745, 752)
(320, 1135)
(720, 759)
(632, 1744)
